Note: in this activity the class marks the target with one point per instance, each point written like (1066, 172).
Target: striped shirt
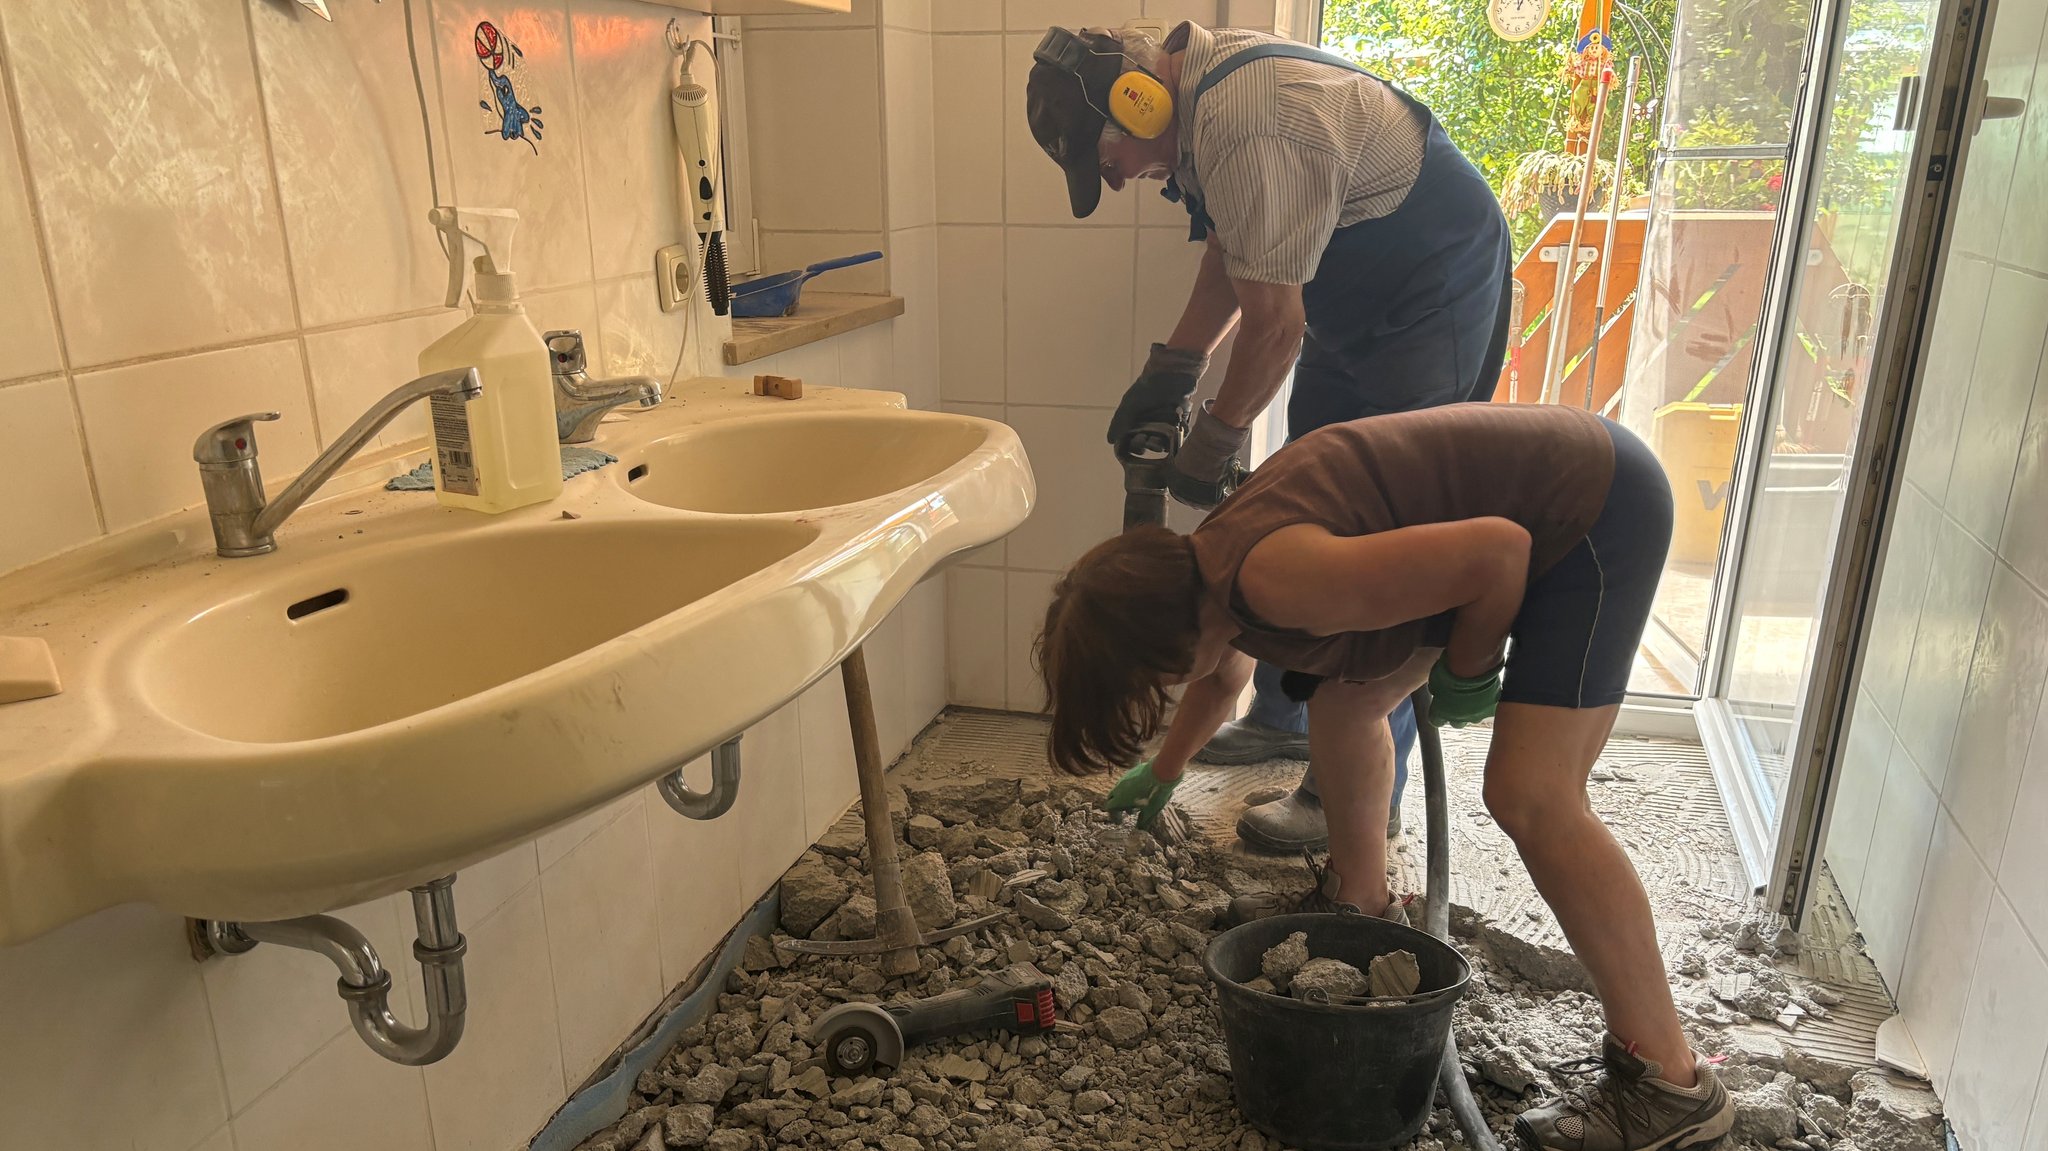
(1281, 153)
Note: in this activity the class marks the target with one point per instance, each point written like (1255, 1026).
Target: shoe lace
(1617, 1095)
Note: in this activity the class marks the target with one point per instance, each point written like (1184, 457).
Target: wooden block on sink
(781, 387)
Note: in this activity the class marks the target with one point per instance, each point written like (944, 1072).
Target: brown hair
(1122, 622)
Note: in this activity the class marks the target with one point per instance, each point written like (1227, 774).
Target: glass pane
(1713, 212)
(1817, 384)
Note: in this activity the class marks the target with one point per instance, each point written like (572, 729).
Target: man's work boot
(1244, 741)
(1628, 1108)
(1320, 896)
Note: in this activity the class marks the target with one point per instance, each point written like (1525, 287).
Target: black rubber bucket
(1328, 1077)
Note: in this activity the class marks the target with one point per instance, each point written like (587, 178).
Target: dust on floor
(1119, 923)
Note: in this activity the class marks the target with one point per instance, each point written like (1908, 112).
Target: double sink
(402, 689)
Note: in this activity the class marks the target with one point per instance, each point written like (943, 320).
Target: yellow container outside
(1696, 444)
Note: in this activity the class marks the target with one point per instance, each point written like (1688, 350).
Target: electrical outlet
(672, 275)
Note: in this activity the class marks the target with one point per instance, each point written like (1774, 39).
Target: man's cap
(1064, 98)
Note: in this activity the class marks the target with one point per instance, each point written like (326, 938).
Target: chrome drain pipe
(725, 785)
(364, 983)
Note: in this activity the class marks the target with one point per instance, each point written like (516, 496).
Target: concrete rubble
(1117, 921)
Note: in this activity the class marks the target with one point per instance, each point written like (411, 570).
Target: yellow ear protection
(1136, 101)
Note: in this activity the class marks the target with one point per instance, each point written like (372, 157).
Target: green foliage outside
(1502, 102)
(1715, 72)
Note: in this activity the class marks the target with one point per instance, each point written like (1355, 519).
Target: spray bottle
(499, 451)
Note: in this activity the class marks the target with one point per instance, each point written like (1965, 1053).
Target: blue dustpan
(776, 295)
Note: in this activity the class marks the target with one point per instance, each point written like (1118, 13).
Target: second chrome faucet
(580, 402)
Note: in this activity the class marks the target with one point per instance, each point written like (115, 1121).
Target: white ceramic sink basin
(401, 690)
(405, 628)
(801, 462)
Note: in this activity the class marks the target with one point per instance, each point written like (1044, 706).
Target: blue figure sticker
(511, 115)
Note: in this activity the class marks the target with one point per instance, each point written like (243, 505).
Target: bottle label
(454, 456)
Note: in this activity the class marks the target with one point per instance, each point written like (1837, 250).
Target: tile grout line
(583, 172)
(284, 232)
(10, 90)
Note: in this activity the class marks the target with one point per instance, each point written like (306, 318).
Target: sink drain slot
(635, 472)
(316, 603)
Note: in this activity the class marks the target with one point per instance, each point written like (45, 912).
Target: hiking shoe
(1320, 897)
(1244, 741)
(1628, 1108)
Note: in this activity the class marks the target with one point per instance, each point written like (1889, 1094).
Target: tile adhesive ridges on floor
(1658, 796)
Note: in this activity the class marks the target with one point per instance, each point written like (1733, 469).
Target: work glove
(1208, 466)
(1139, 789)
(1457, 700)
(1160, 394)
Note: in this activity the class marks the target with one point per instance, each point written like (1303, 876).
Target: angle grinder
(855, 1037)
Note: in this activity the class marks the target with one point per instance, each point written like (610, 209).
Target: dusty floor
(1119, 923)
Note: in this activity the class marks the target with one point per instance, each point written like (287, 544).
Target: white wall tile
(482, 888)
(2006, 681)
(975, 637)
(867, 358)
(344, 1098)
(967, 80)
(2025, 543)
(1945, 386)
(1202, 12)
(1941, 955)
(1069, 315)
(140, 422)
(355, 367)
(1027, 595)
(914, 275)
(274, 1007)
(623, 76)
(1947, 639)
(1080, 486)
(541, 175)
(169, 239)
(1854, 812)
(924, 653)
(1029, 15)
(787, 251)
(2001, 388)
(352, 165)
(496, 1088)
(221, 1140)
(816, 364)
(604, 948)
(28, 326)
(996, 554)
(2037, 1126)
(697, 863)
(41, 452)
(2023, 241)
(831, 783)
(971, 286)
(967, 16)
(2004, 1037)
(1901, 592)
(639, 338)
(557, 842)
(113, 999)
(771, 804)
(815, 136)
(2025, 860)
(912, 14)
(1034, 188)
(1898, 856)
(1167, 264)
(907, 99)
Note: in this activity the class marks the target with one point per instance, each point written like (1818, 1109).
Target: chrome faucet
(581, 401)
(243, 524)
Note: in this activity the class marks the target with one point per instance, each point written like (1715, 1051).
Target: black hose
(1437, 916)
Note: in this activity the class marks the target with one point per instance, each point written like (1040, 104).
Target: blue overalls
(1406, 311)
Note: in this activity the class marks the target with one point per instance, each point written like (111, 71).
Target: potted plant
(1549, 182)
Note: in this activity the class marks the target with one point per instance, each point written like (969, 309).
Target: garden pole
(1628, 108)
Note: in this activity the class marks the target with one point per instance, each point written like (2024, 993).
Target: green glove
(1456, 700)
(1139, 788)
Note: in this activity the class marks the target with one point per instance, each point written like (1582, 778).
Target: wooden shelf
(819, 316)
